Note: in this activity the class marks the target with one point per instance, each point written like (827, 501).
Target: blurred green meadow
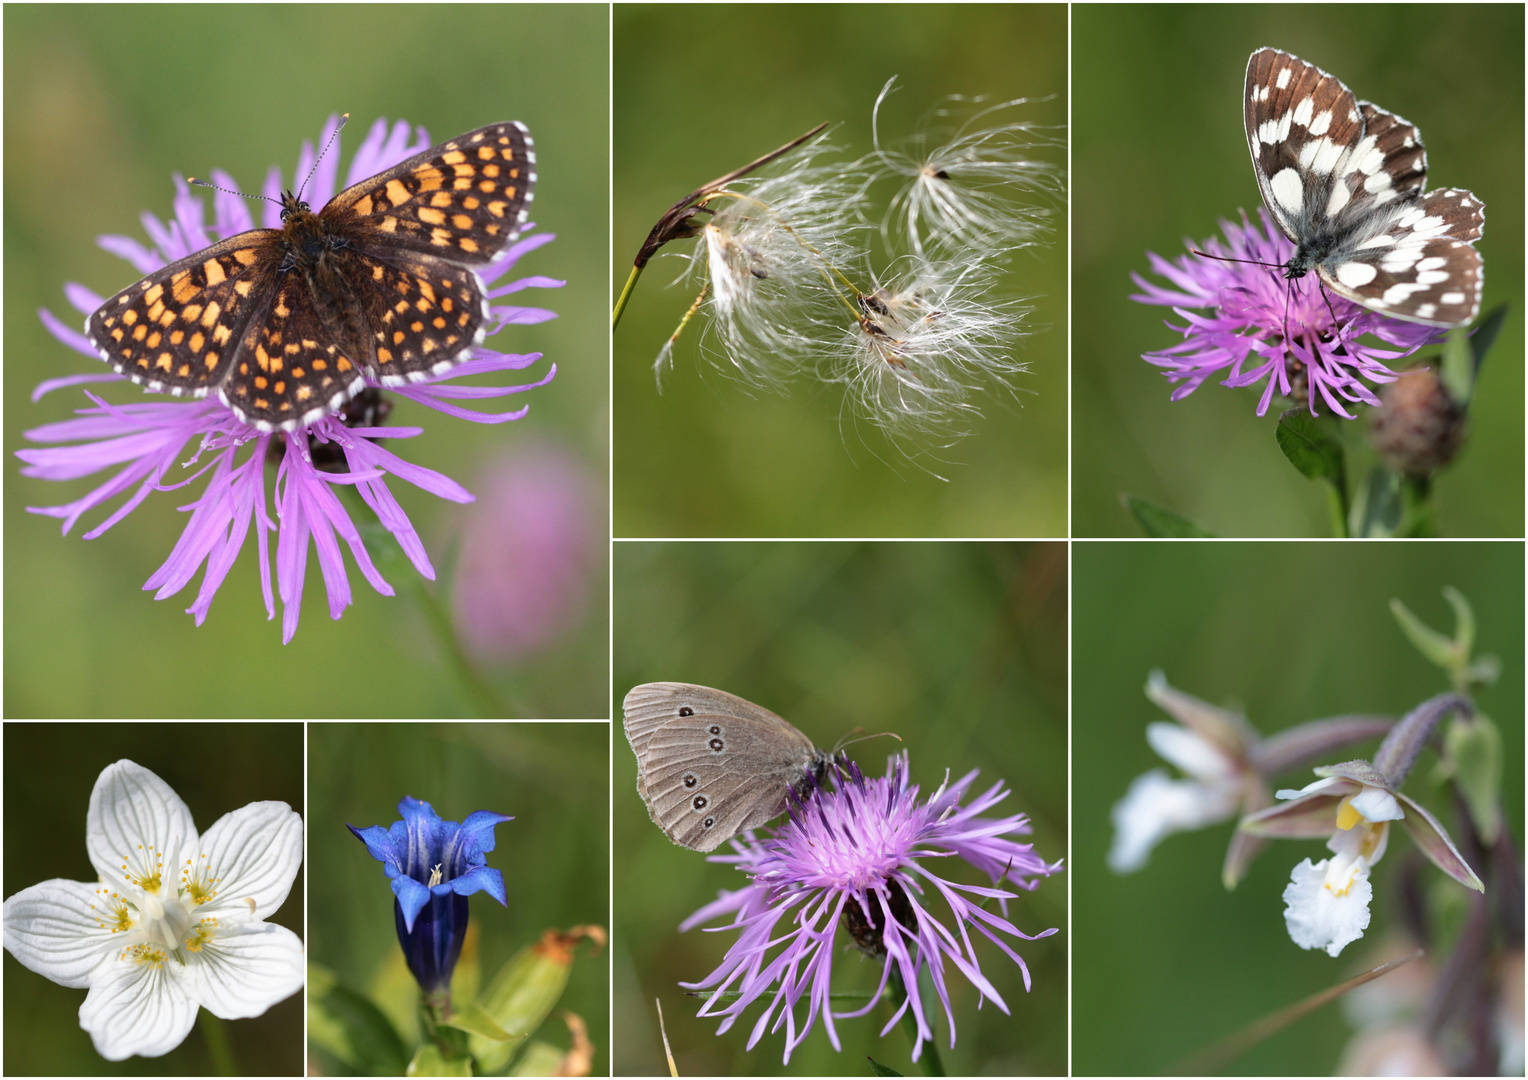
(50, 770)
(703, 89)
(958, 648)
(103, 104)
(1160, 157)
(1166, 961)
(554, 856)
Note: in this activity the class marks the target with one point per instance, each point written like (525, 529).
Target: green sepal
(877, 1069)
(1436, 648)
(345, 1024)
(1158, 521)
(429, 1061)
(1472, 753)
(539, 1059)
(474, 1020)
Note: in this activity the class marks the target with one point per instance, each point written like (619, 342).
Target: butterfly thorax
(1312, 251)
(306, 237)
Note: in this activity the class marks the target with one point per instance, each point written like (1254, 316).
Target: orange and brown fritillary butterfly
(288, 324)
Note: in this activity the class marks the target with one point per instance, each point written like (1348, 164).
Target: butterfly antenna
(245, 195)
(332, 136)
(850, 742)
(230, 191)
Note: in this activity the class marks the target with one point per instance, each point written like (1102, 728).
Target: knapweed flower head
(174, 921)
(1244, 320)
(959, 195)
(861, 856)
(434, 866)
(1352, 806)
(167, 445)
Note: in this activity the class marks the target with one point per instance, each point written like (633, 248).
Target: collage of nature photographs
(749, 539)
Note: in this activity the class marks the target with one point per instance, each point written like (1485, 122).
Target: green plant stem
(484, 700)
(386, 551)
(932, 1066)
(620, 302)
(217, 1044)
(1337, 503)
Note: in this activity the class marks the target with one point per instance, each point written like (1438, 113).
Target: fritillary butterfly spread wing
(1343, 178)
(379, 285)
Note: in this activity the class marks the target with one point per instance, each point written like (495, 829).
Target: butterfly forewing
(1344, 179)
(178, 329)
(464, 200)
(710, 764)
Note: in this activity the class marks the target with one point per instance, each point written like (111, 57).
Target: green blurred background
(1165, 960)
(554, 855)
(1159, 155)
(701, 90)
(50, 770)
(102, 105)
(958, 648)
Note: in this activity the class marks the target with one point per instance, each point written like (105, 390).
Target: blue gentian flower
(434, 866)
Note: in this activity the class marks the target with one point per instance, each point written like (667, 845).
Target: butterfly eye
(685, 710)
(700, 802)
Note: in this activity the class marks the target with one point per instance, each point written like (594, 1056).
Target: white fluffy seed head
(984, 186)
(929, 339)
(768, 256)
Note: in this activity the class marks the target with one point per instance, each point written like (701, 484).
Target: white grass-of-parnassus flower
(978, 189)
(174, 921)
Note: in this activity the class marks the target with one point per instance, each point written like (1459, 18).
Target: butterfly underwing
(711, 765)
(1344, 181)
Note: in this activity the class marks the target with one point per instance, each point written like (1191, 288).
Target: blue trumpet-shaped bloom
(434, 866)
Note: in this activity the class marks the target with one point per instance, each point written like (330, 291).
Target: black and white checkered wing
(1344, 179)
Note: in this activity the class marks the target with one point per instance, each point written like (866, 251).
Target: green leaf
(1311, 446)
(474, 1019)
(429, 1061)
(539, 1059)
(1376, 512)
(877, 1069)
(1485, 333)
(1474, 749)
(348, 1026)
(1158, 521)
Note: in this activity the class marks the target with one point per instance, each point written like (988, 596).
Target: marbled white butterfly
(1344, 178)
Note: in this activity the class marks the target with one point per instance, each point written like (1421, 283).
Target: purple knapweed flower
(1303, 339)
(530, 549)
(434, 866)
(853, 855)
(144, 441)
